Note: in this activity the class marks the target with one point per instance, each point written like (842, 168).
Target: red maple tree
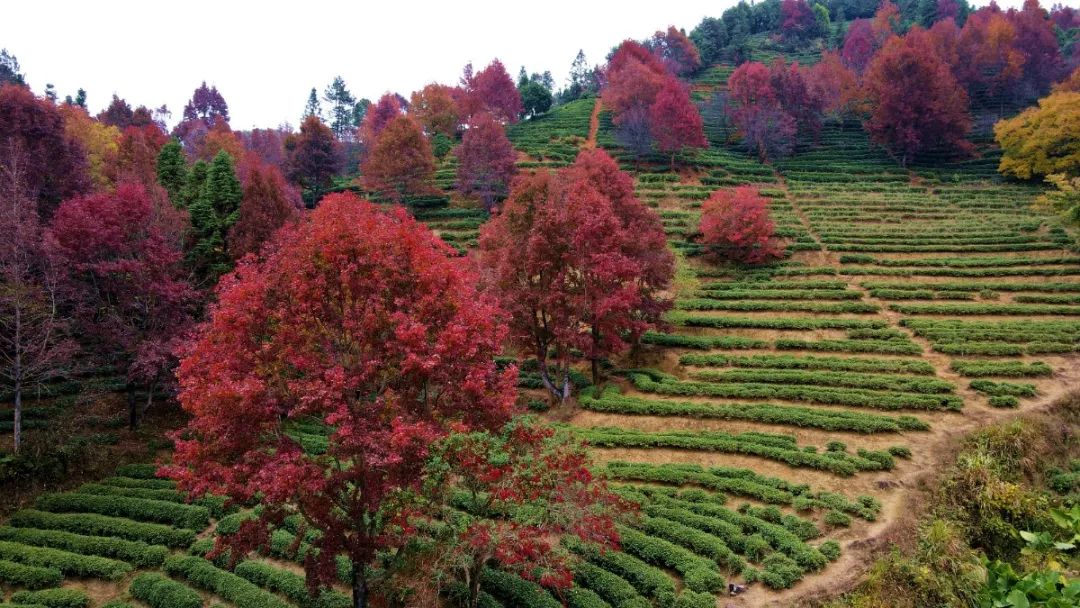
(124, 269)
(387, 108)
(578, 263)
(908, 124)
(797, 20)
(674, 48)
(481, 482)
(765, 126)
(735, 226)
(486, 160)
(674, 120)
(490, 90)
(400, 163)
(312, 156)
(358, 320)
(435, 109)
(268, 203)
(56, 166)
(859, 45)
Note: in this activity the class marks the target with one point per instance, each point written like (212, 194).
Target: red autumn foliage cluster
(311, 155)
(486, 160)
(400, 163)
(797, 20)
(56, 166)
(650, 104)
(359, 319)
(735, 226)
(268, 203)
(578, 263)
(123, 259)
(489, 90)
(522, 464)
(769, 106)
(379, 115)
(907, 124)
(675, 50)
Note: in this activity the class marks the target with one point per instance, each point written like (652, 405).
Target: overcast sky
(265, 56)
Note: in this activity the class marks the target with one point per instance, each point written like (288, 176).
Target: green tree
(535, 98)
(9, 69)
(312, 107)
(172, 171)
(342, 109)
(926, 12)
(212, 214)
(193, 185)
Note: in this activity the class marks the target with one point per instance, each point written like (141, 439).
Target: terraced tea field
(772, 432)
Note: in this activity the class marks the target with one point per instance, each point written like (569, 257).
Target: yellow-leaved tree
(1044, 140)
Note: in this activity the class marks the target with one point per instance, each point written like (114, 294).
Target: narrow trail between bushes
(594, 126)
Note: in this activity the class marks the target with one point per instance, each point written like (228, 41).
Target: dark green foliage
(53, 598)
(159, 591)
(228, 586)
(512, 590)
(30, 577)
(157, 511)
(134, 552)
(292, 586)
(172, 171)
(70, 564)
(213, 212)
(101, 525)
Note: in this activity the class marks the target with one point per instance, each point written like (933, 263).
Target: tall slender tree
(341, 105)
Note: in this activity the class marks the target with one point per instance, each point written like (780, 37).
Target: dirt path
(594, 126)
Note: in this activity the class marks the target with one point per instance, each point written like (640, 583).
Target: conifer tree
(193, 184)
(312, 107)
(341, 112)
(212, 215)
(172, 171)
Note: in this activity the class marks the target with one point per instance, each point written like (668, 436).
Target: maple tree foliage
(486, 160)
(118, 113)
(797, 20)
(35, 344)
(487, 486)
(435, 109)
(358, 319)
(674, 120)
(56, 166)
(633, 78)
(578, 262)
(859, 45)
(675, 50)
(137, 154)
(125, 273)
(491, 90)
(887, 21)
(1042, 140)
(268, 203)
(98, 140)
(400, 163)
(907, 124)
(836, 86)
(735, 226)
(269, 144)
(794, 92)
(765, 127)
(1038, 44)
(219, 138)
(386, 109)
(311, 156)
(205, 110)
(988, 62)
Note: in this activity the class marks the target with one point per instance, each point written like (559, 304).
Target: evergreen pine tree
(172, 171)
(313, 107)
(193, 185)
(926, 13)
(342, 109)
(222, 189)
(213, 212)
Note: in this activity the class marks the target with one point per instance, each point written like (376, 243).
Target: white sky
(265, 56)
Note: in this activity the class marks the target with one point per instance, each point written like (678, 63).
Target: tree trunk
(595, 359)
(133, 408)
(474, 587)
(149, 400)
(359, 586)
(18, 414)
